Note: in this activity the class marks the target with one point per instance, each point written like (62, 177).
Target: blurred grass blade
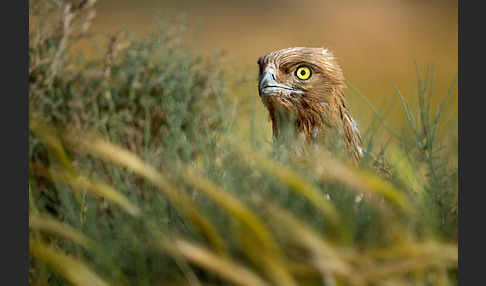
(364, 181)
(332, 169)
(49, 136)
(435, 251)
(55, 227)
(32, 208)
(303, 187)
(73, 270)
(382, 187)
(235, 207)
(265, 250)
(82, 183)
(118, 155)
(294, 181)
(405, 258)
(211, 261)
(325, 256)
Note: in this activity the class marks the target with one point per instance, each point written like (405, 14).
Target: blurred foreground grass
(136, 179)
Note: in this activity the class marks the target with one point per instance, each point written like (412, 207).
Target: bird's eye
(303, 72)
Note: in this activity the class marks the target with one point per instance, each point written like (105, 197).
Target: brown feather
(317, 105)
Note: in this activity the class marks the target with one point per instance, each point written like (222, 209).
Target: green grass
(136, 179)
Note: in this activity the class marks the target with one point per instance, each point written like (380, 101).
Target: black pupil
(302, 72)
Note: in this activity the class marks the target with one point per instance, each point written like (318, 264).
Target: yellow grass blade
(374, 187)
(32, 207)
(302, 186)
(265, 247)
(327, 258)
(49, 136)
(363, 181)
(98, 188)
(406, 258)
(118, 155)
(223, 266)
(70, 268)
(293, 180)
(60, 229)
(427, 250)
(237, 208)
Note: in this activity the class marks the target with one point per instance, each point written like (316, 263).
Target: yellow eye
(303, 73)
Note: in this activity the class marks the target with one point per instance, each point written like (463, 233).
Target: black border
(14, 137)
(471, 145)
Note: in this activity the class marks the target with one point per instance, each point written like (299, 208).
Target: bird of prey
(303, 90)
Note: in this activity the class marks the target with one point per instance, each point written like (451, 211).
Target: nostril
(267, 79)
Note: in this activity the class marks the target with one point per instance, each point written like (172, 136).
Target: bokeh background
(376, 41)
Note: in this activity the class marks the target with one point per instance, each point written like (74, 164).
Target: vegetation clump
(135, 179)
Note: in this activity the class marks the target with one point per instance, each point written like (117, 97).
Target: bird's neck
(326, 125)
(294, 124)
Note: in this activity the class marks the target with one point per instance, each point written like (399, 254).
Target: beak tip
(267, 78)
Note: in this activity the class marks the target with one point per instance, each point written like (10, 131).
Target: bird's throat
(289, 124)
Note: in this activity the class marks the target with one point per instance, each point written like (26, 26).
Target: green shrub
(134, 179)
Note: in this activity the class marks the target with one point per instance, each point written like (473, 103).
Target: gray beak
(269, 85)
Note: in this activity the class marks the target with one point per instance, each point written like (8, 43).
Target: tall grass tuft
(134, 178)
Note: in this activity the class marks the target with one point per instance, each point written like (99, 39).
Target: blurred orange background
(375, 41)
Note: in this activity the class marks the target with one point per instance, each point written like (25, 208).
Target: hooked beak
(269, 85)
